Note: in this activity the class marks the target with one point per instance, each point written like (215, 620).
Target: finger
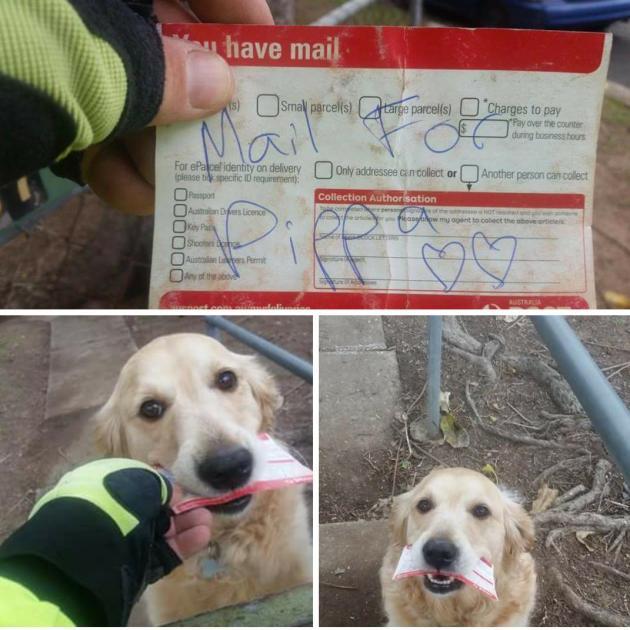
(177, 495)
(111, 174)
(198, 82)
(141, 149)
(192, 519)
(171, 11)
(232, 11)
(191, 541)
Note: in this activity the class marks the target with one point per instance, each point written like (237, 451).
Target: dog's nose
(227, 469)
(440, 553)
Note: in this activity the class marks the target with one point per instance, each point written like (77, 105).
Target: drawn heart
(493, 248)
(453, 245)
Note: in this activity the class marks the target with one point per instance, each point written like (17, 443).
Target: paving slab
(351, 333)
(76, 331)
(85, 360)
(24, 346)
(350, 555)
(359, 395)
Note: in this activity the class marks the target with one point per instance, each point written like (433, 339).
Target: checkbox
(177, 275)
(469, 174)
(268, 105)
(177, 259)
(469, 107)
(323, 170)
(181, 194)
(179, 227)
(181, 210)
(179, 242)
(369, 107)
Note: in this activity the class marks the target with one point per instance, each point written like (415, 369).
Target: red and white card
(279, 470)
(365, 167)
(480, 577)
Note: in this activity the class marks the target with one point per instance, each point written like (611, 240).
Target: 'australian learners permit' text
(385, 168)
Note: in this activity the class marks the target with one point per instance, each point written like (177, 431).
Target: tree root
(565, 463)
(554, 534)
(589, 520)
(455, 335)
(466, 346)
(611, 570)
(568, 425)
(560, 416)
(506, 435)
(570, 494)
(617, 544)
(550, 379)
(597, 614)
(599, 490)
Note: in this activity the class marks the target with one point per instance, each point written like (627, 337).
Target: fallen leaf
(616, 300)
(445, 402)
(544, 499)
(582, 537)
(454, 434)
(489, 471)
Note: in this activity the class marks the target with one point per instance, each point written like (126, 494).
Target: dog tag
(280, 469)
(480, 577)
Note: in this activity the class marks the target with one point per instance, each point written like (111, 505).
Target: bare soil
(516, 465)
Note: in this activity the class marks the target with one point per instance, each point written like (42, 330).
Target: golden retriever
(454, 517)
(186, 403)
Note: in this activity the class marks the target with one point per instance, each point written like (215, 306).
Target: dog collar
(210, 566)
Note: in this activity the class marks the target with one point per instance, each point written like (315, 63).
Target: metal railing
(296, 365)
(608, 414)
(351, 8)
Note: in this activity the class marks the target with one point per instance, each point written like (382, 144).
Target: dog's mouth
(441, 584)
(232, 507)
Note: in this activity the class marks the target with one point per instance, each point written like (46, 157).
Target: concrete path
(359, 395)
(349, 562)
(79, 376)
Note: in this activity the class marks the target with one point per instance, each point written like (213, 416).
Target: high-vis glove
(74, 73)
(89, 548)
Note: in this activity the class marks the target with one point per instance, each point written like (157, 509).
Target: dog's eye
(152, 409)
(226, 380)
(481, 511)
(425, 505)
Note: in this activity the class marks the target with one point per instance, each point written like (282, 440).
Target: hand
(190, 532)
(106, 527)
(199, 83)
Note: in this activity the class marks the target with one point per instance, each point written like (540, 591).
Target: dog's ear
(265, 392)
(108, 431)
(519, 527)
(398, 520)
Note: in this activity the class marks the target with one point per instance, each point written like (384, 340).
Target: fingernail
(209, 80)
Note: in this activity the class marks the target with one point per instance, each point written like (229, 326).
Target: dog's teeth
(442, 580)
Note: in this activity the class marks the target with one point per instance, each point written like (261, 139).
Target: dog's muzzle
(441, 554)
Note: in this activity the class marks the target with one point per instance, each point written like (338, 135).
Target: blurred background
(61, 247)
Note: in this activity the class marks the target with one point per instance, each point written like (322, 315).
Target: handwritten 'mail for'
(383, 168)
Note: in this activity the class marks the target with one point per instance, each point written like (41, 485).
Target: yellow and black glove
(89, 548)
(74, 73)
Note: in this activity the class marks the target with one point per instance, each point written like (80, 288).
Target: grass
(616, 112)
(382, 13)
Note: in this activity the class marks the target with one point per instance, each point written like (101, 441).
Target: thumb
(198, 82)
